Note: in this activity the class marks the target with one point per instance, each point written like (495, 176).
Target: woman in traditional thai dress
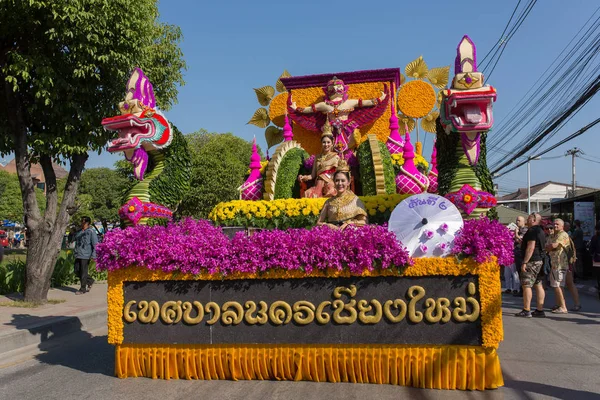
(345, 208)
(324, 167)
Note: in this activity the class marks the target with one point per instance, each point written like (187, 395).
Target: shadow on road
(65, 343)
(525, 389)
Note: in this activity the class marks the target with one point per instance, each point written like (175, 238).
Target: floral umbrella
(426, 225)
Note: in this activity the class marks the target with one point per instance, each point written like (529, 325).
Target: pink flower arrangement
(194, 246)
(482, 238)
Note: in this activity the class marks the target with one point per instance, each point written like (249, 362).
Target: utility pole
(573, 153)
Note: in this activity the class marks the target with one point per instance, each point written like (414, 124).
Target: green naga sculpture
(158, 152)
(465, 119)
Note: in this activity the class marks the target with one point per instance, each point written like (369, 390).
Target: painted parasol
(426, 225)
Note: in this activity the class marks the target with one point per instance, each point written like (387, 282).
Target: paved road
(556, 357)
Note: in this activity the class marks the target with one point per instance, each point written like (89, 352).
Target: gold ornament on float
(420, 98)
(428, 122)
(406, 121)
(277, 108)
(279, 85)
(273, 135)
(265, 94)
(260, 118)
(416, 69)
(439, 76)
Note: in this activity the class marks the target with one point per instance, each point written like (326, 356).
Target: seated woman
(323, 168)
(345, 209)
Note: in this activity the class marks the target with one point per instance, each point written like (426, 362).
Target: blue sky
(232, 47)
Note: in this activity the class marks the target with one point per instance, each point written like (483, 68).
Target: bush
(12, 274)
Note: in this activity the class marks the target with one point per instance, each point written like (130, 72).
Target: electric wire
(511, 34)
(556, 91)
(554, 146)
(499, 42)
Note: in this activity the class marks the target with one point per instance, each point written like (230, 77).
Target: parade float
(413, 298)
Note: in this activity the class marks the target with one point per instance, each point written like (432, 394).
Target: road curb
(51, 328)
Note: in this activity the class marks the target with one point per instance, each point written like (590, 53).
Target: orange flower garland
(416, 98)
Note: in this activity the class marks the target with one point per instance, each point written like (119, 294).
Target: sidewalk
(20, 327)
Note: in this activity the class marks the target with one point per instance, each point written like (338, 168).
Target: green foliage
(367, 171)
(99, 195)
(63, 67)
(12, 274)
(286, 184)
(447, 158)
(12, 277)
(63, 58)
(388, 169)
(219, 164)
(11, 202)
(481, 169)
(173, 183)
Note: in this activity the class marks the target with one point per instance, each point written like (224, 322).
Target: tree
(11, 205)
(63, 67)
(100, 194)
(219, 166)
(104, 188)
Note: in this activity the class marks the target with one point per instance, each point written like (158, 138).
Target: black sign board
(374, 310)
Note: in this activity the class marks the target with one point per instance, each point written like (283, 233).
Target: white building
(541, 196)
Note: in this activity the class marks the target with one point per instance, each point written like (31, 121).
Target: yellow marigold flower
(305, 211)
(276, 213)
(372, 211)
(381, 208)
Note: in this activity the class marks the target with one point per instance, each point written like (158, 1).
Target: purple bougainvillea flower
(482, 239)
(192, 246)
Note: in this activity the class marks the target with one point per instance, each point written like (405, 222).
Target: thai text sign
(381, 310)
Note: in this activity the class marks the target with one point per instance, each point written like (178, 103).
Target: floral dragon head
(467, 105)
(140, 126)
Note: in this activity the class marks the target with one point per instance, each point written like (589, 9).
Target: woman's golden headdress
(343, 166)
(326, 129)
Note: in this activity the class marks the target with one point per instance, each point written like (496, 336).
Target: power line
(499, 42)
(589, 159)
(558, 120)
(511, 34)
(569, 83)
(560, 143)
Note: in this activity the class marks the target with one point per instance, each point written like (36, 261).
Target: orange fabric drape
(432, 367)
